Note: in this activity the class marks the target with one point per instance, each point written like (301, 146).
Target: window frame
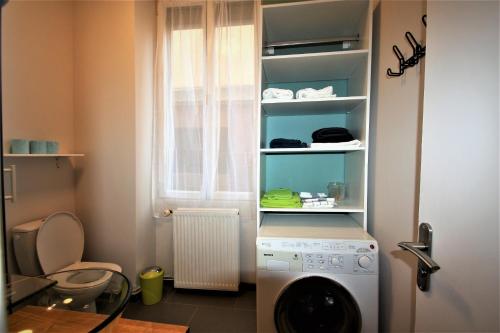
(208, 26)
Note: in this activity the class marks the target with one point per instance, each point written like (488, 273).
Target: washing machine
(316, 274)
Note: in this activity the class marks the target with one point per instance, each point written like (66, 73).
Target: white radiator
(206, 248)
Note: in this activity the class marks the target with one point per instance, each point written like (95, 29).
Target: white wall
(145, 40)
(114, 62)
(396, 109)
(37, 87)
(37, 56)
(105, 130)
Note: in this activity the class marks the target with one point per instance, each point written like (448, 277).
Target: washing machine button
(364, 262)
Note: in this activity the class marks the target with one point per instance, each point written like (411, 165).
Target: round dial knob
(365, 262)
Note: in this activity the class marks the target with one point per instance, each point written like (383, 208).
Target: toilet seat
(89, 275)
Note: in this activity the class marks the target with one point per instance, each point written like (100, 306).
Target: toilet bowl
(54, 246)
(83, 282)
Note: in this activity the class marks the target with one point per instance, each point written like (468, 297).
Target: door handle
(422, 249)
(11, 169)
(416, 249)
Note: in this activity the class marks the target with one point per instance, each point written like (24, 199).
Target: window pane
(187, 94)
(187, 58)
(235, 51)
(234, 77)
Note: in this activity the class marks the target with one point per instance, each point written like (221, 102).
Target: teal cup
(19, 146)
(38, 147)
(52, 147)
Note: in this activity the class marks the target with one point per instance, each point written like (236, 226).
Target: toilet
(55, 244)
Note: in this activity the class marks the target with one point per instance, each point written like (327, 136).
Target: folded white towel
(275, 93)
(305, 195)
(313, 93)
(330, 145)
(317, 205)
(312, 197)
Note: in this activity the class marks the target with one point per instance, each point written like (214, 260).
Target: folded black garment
(332, 134)
(287, 143)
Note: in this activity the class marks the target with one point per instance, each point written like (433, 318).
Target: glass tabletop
(84, 300)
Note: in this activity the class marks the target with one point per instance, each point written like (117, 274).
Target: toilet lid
(59, 242)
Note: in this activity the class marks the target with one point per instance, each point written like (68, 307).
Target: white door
(460, 165)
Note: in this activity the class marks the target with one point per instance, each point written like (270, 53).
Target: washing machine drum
(316, 305)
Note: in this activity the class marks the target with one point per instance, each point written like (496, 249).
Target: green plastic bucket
(151, 285)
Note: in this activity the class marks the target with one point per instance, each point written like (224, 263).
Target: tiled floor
(202, 311)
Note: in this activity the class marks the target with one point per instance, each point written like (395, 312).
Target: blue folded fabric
(38, 147)
(52, 147)
(19, 146)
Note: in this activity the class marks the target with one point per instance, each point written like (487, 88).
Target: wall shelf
(297, 107)
(43, 155)
(309, 150)
(336, 65)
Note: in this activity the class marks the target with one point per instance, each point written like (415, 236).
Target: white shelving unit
(43, 155)
(348, 71)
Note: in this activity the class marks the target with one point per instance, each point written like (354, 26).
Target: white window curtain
(205, 117)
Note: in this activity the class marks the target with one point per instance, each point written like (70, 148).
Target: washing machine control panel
(332, 256)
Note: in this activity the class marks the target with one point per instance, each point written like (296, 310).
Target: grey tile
(210, 319)
(245, 321)
(203, 311)
(246, 300)
(179, 314)
(202, 298)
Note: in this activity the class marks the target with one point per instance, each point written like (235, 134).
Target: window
(205, 118)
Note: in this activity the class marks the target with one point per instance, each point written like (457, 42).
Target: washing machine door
(316, 305)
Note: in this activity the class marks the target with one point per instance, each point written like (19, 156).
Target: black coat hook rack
(418, 52)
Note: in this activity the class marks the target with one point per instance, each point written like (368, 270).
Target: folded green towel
(292, 202)
(279, 193)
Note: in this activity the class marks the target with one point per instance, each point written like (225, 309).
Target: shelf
(43, 155)
(323, 19)
(304, 107)
(341, 209)
(309, 150)
(339, 226)
(313, 66)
